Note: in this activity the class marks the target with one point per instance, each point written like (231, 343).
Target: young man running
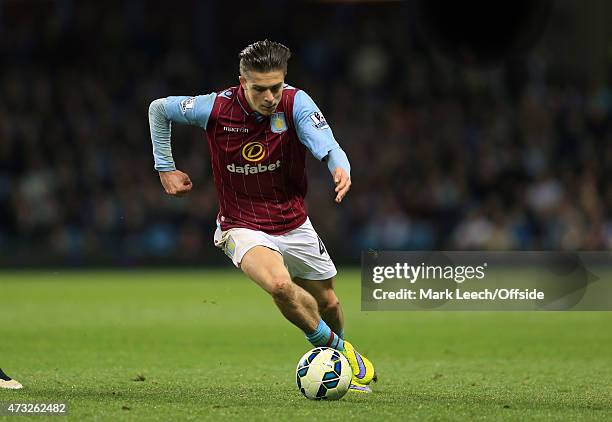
(258, 134)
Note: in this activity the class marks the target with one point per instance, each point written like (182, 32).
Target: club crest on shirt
(278, 124)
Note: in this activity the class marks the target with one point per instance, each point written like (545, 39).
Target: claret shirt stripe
(277, 203)
(238, 205)
(217, 171)
(263, 199)
(290, 171)
(286, 195)
(248, 190)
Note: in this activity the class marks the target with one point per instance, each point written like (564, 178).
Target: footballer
(258, 133)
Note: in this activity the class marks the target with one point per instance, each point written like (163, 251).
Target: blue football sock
(341, 333)
(323, 336)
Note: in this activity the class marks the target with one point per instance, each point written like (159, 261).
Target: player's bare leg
(331, 311)
(266, 268)
(327, 301)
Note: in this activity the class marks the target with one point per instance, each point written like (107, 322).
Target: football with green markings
(323, 374)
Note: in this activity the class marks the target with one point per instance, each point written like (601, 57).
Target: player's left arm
(317, 136)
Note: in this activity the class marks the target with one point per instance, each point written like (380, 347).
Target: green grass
(211, 345)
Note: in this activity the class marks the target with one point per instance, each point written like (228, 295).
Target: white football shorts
(303, 252)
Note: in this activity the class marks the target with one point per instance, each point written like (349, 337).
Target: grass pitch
(194, 345)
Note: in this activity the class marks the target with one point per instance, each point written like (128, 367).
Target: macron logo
(249, 169)
(235, 129)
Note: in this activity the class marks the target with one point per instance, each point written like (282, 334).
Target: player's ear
(242, 81)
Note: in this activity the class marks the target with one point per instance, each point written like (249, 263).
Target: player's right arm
(193, 111)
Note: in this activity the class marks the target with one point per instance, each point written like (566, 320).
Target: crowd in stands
(514, 156)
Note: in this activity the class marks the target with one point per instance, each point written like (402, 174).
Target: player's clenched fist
(175, 182)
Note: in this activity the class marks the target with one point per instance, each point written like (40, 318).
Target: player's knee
(281, 289)
(329, 304)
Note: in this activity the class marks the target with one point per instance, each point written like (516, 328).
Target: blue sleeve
(311, 127)
(193, 111)
(188, 110)
(337, 158)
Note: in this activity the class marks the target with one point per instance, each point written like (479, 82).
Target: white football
(323, 374)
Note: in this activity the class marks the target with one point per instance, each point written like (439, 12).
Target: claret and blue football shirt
(258, 162)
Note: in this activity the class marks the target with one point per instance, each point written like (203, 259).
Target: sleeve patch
(318, 121)
(187, 104)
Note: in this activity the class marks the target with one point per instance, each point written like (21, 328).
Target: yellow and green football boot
(359, 388)
(363, 370)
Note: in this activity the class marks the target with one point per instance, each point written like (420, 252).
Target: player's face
(263, 91)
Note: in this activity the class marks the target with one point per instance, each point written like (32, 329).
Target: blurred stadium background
(454, 143)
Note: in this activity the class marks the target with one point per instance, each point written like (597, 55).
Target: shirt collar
(243, 101)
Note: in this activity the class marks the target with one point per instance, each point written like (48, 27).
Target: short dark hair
(264, 56)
